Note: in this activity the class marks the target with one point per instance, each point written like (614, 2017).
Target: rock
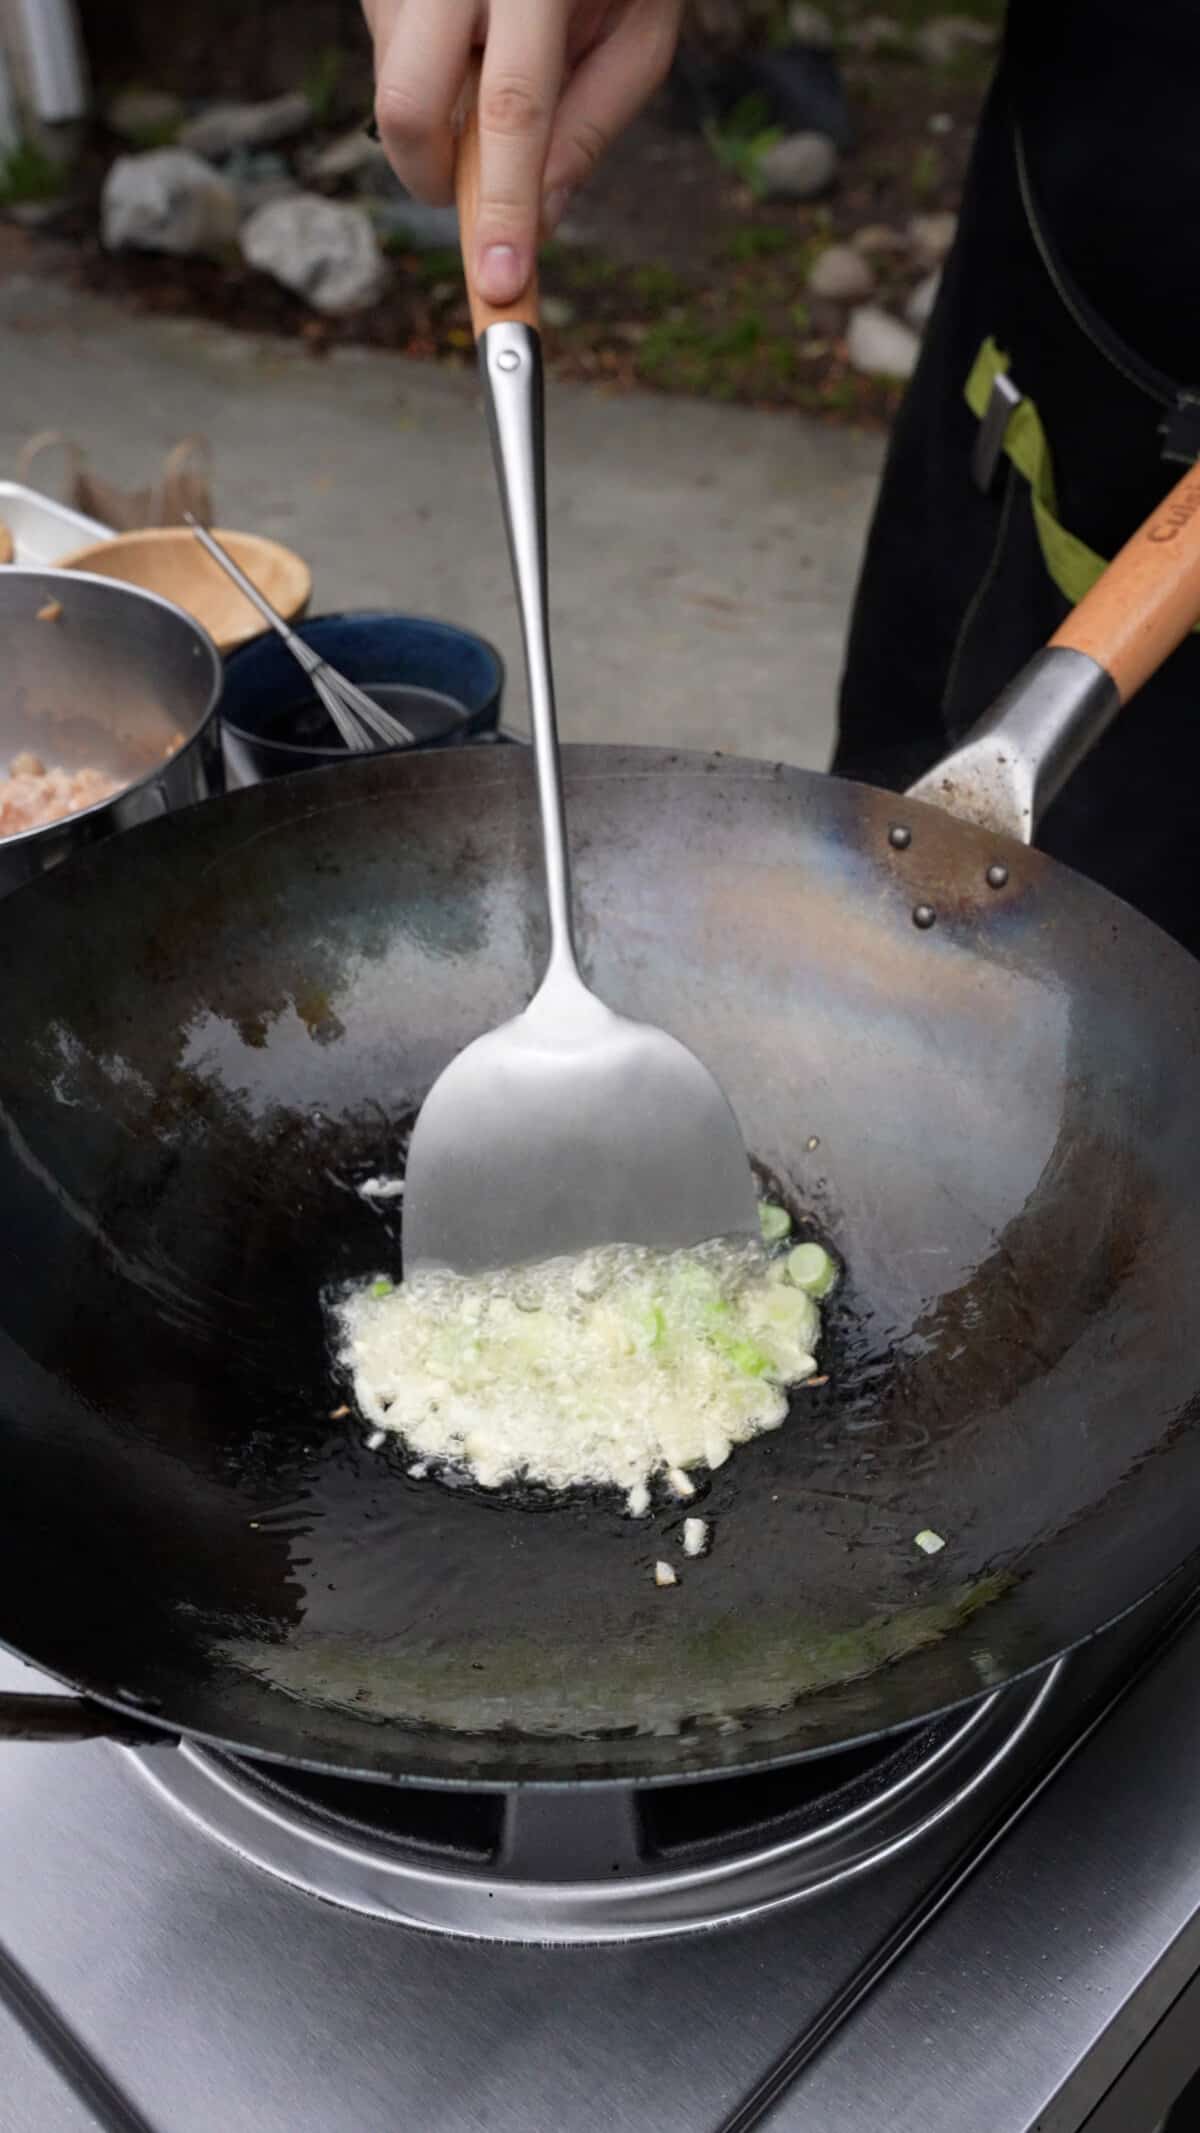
(877, 33)
(147, 117)
(943, 39)
(353, 155)
(166, 200)
(879, 345)
(798, 167)
(34, 214)
(219, 131)
(558, 311)
(920, 304)
(931, 236)
(842, 274)
(810, 26)
(258, 176)
(877, 237)
(326, 252)
(410, 222)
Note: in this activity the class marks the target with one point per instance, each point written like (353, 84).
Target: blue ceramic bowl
(273, 724)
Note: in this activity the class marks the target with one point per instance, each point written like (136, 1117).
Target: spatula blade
(535, 1142)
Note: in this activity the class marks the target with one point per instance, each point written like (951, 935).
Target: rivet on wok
(508, 359)
(924, 916)
(997, 876)
(899, 837)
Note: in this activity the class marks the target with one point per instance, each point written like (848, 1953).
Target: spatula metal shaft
(510, 361)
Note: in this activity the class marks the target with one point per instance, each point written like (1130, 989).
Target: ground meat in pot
(31, 795)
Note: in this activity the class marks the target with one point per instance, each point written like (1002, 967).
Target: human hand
(560, 80)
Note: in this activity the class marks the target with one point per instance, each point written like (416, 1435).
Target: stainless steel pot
(101, 675)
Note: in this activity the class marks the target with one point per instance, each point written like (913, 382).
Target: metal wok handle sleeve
(1020, 755)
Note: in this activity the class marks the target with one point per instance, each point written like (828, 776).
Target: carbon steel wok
(218, 1026)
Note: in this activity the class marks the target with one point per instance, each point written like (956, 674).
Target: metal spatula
(570, 1126)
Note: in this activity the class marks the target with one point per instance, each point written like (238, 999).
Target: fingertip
(502, 272)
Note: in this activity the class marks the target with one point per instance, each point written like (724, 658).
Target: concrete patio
(703, 556)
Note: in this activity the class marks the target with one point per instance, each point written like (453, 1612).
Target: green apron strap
(1073, 566)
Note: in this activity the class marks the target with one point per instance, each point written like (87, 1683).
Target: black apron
(1078, 253)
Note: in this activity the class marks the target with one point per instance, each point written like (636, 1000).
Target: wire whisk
(361, 722)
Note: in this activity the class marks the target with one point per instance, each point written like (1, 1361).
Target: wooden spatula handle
(1148, 598)
(483, 314)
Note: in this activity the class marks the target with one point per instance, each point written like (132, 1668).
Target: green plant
(759, 240)
(722, 356)
(778, 28)
(440, 263)
(839, 394)
(657, 285)
(926, 172)
(322, 82)
(163, 135)
(740, 337)
(584, 269)
(742, 139)
(145, 117)
(28, 174)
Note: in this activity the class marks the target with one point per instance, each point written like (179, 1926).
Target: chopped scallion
(774, 1222)
(810, 1267)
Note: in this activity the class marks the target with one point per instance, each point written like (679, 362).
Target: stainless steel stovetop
(1029, 1960)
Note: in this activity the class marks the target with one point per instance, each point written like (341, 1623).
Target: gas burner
(595, 1863)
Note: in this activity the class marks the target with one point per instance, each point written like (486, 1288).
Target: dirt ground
(677, 276)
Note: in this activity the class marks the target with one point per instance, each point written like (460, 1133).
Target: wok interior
(107, 683)
(991, 1121)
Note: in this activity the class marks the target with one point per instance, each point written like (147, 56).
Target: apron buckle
(1003, 400)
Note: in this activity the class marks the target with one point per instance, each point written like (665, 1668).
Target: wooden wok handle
(526, 310)
(1148, 598)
